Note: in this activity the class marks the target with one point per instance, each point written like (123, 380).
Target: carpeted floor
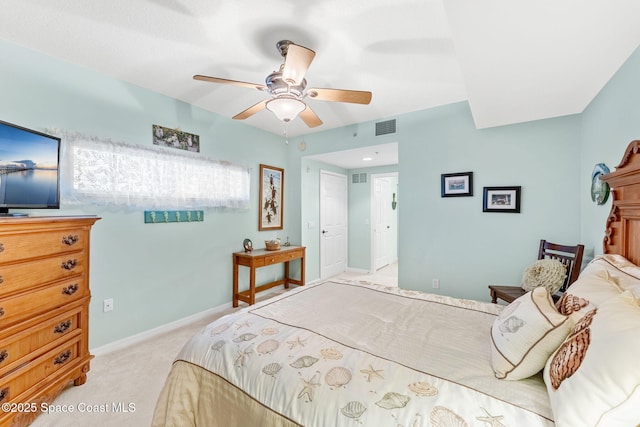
(123, 385)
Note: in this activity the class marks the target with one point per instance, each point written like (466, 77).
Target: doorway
(333, 223)
(384, 220)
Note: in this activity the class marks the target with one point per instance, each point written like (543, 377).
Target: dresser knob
(1, 280)
(62, 358)
(70, 240)
(4, 393)
(70, 290)
(69, 264)
(62, 327)
(3, 355)
(1, 247)
(1, 311)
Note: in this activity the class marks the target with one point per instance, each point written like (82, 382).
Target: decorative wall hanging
(501, 199)
(175, 138)
(160, 217)
(599, 188)
(456, 184)
(271, 197)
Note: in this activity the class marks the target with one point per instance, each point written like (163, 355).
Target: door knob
(324, 231)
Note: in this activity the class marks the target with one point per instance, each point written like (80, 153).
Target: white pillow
(593, 379)
(525, 334)
(549, 273)
(595, 284)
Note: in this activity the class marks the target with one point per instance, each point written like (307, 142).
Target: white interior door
(333, 224)
(381, 205)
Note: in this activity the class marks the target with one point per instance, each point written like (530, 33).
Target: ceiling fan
(287, 88)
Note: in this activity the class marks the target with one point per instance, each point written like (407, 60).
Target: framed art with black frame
(456, 184)
(501, 199)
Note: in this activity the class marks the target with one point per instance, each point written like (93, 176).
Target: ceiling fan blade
(340, 95)
(310, 118)
(296, 63)
(229, 82)
(251, 110)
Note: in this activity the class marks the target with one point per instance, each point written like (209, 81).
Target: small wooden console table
(261, 258)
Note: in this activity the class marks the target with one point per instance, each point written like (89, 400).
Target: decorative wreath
(549, 273)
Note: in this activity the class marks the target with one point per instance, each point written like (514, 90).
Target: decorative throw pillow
(573, 306)
(525, 334)
(549, 273)
(593, 378)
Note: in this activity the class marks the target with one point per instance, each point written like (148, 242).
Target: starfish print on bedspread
(493, 421)
(372, 373)
(309, 386)
(244, 324)
(242, 356)
(297, 343)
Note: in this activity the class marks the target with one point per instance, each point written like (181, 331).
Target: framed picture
(456, 184)
(271, 192)
(501, 199)
(175, 138)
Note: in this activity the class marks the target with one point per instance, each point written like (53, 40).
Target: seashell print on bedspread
(321, 380)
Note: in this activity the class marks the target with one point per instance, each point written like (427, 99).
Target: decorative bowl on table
(272, 245)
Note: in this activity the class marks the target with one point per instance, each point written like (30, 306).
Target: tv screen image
(29, 169)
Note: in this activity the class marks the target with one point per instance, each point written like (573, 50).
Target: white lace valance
(104, 172)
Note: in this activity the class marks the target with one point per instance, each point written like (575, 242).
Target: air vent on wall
(359, 178)
(385, 128)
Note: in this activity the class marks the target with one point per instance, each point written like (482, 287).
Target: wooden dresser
(44, 311)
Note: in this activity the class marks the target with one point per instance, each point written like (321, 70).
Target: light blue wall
(451, 238)
(609, 124)
(155, 273)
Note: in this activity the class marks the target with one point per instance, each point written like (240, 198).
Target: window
(111, 173)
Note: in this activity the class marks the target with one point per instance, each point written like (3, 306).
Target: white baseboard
(134, 339)
(168, 327)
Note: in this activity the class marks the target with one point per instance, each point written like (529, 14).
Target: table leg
(494, 297)
(252, 285)
(302, 270)
(286, 274)
(235, 282)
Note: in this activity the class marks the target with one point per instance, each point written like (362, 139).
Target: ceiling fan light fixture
(286, 109)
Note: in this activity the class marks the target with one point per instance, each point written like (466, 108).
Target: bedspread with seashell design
(351, 354)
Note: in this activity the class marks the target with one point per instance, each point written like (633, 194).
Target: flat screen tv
(29, 169)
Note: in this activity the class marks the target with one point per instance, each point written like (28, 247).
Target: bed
(343, 353)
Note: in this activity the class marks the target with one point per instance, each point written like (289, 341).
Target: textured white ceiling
(513, 61)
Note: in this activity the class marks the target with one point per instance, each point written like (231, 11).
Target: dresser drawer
(282, 257)
(24, 306)
(21, 246)
(29, 374)
(26, 342)
(20, 277)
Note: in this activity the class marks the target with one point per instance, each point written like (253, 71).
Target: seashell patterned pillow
(525, 334)
(593, 377)
(574, 306)
(549, 273)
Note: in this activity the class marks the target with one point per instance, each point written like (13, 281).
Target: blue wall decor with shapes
(160, 217)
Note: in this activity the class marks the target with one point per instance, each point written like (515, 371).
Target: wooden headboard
(622, 234)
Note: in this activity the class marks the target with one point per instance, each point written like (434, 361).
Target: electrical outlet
(435, 283)
(107, 305)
